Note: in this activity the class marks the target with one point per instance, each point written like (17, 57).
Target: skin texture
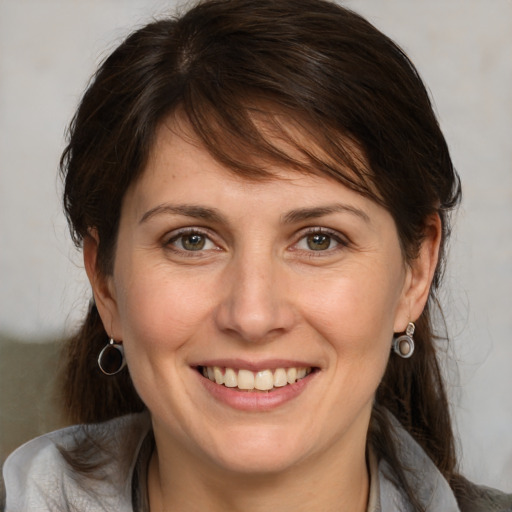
(258, 292)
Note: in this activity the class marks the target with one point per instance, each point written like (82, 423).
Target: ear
(419, 275)
(102, 287)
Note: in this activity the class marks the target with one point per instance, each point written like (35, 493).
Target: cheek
(161, 316)
(160, 311)
(356, 310)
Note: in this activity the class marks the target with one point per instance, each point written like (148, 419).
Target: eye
(320, 240)
(191, 241)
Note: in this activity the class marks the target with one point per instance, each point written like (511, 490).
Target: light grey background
(463, 49)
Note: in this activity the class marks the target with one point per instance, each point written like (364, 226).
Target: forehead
(180, 165)
(182, 173)
(179, 153)
(271, 139)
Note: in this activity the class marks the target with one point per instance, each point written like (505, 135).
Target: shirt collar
(430, 487)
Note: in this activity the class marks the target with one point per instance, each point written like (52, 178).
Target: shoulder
(479, 498)
(41, 475)
(430, 487)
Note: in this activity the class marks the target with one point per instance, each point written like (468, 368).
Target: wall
(463, 49)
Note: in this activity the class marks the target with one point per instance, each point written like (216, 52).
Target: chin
(261, 452)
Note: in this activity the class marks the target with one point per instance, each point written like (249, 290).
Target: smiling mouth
(246, 380)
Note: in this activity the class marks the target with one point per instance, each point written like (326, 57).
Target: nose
(256, 303)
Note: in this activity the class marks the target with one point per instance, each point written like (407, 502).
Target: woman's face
(253, 283)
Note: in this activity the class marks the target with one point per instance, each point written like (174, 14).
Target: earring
(111, 359)
(404, 345)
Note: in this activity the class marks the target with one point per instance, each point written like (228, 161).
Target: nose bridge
(255, 304)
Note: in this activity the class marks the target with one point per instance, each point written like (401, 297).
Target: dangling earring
(404, 345)
(111, 359)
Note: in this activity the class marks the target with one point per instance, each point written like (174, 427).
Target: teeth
(264, 380)
(218, 375)
(245, 379)
(291, 375)
(230, 378)
(280, 378)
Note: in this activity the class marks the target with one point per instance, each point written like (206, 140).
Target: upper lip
(255, 366)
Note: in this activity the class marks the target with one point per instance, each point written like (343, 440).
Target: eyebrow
(302, 214)
(213, 215)
(196, 212)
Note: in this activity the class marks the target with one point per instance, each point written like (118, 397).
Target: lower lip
(256, 400)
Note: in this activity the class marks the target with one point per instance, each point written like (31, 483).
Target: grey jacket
(38, 479)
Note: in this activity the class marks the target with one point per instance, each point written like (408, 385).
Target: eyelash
(342, 242)
(182, 233)
(332, 234)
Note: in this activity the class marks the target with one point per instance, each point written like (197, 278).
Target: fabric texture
(115, 456)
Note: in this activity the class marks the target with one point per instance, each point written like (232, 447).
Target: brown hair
(307, 63)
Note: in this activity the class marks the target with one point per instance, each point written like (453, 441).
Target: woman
(262, 194)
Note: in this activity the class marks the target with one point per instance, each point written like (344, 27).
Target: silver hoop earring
(404, 345)
(111, 358)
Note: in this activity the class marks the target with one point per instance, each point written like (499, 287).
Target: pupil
(319, 242)
(193, 242)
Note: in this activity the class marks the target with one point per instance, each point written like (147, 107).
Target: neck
(328, 483)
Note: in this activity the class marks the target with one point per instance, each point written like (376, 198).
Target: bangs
(250, 133)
